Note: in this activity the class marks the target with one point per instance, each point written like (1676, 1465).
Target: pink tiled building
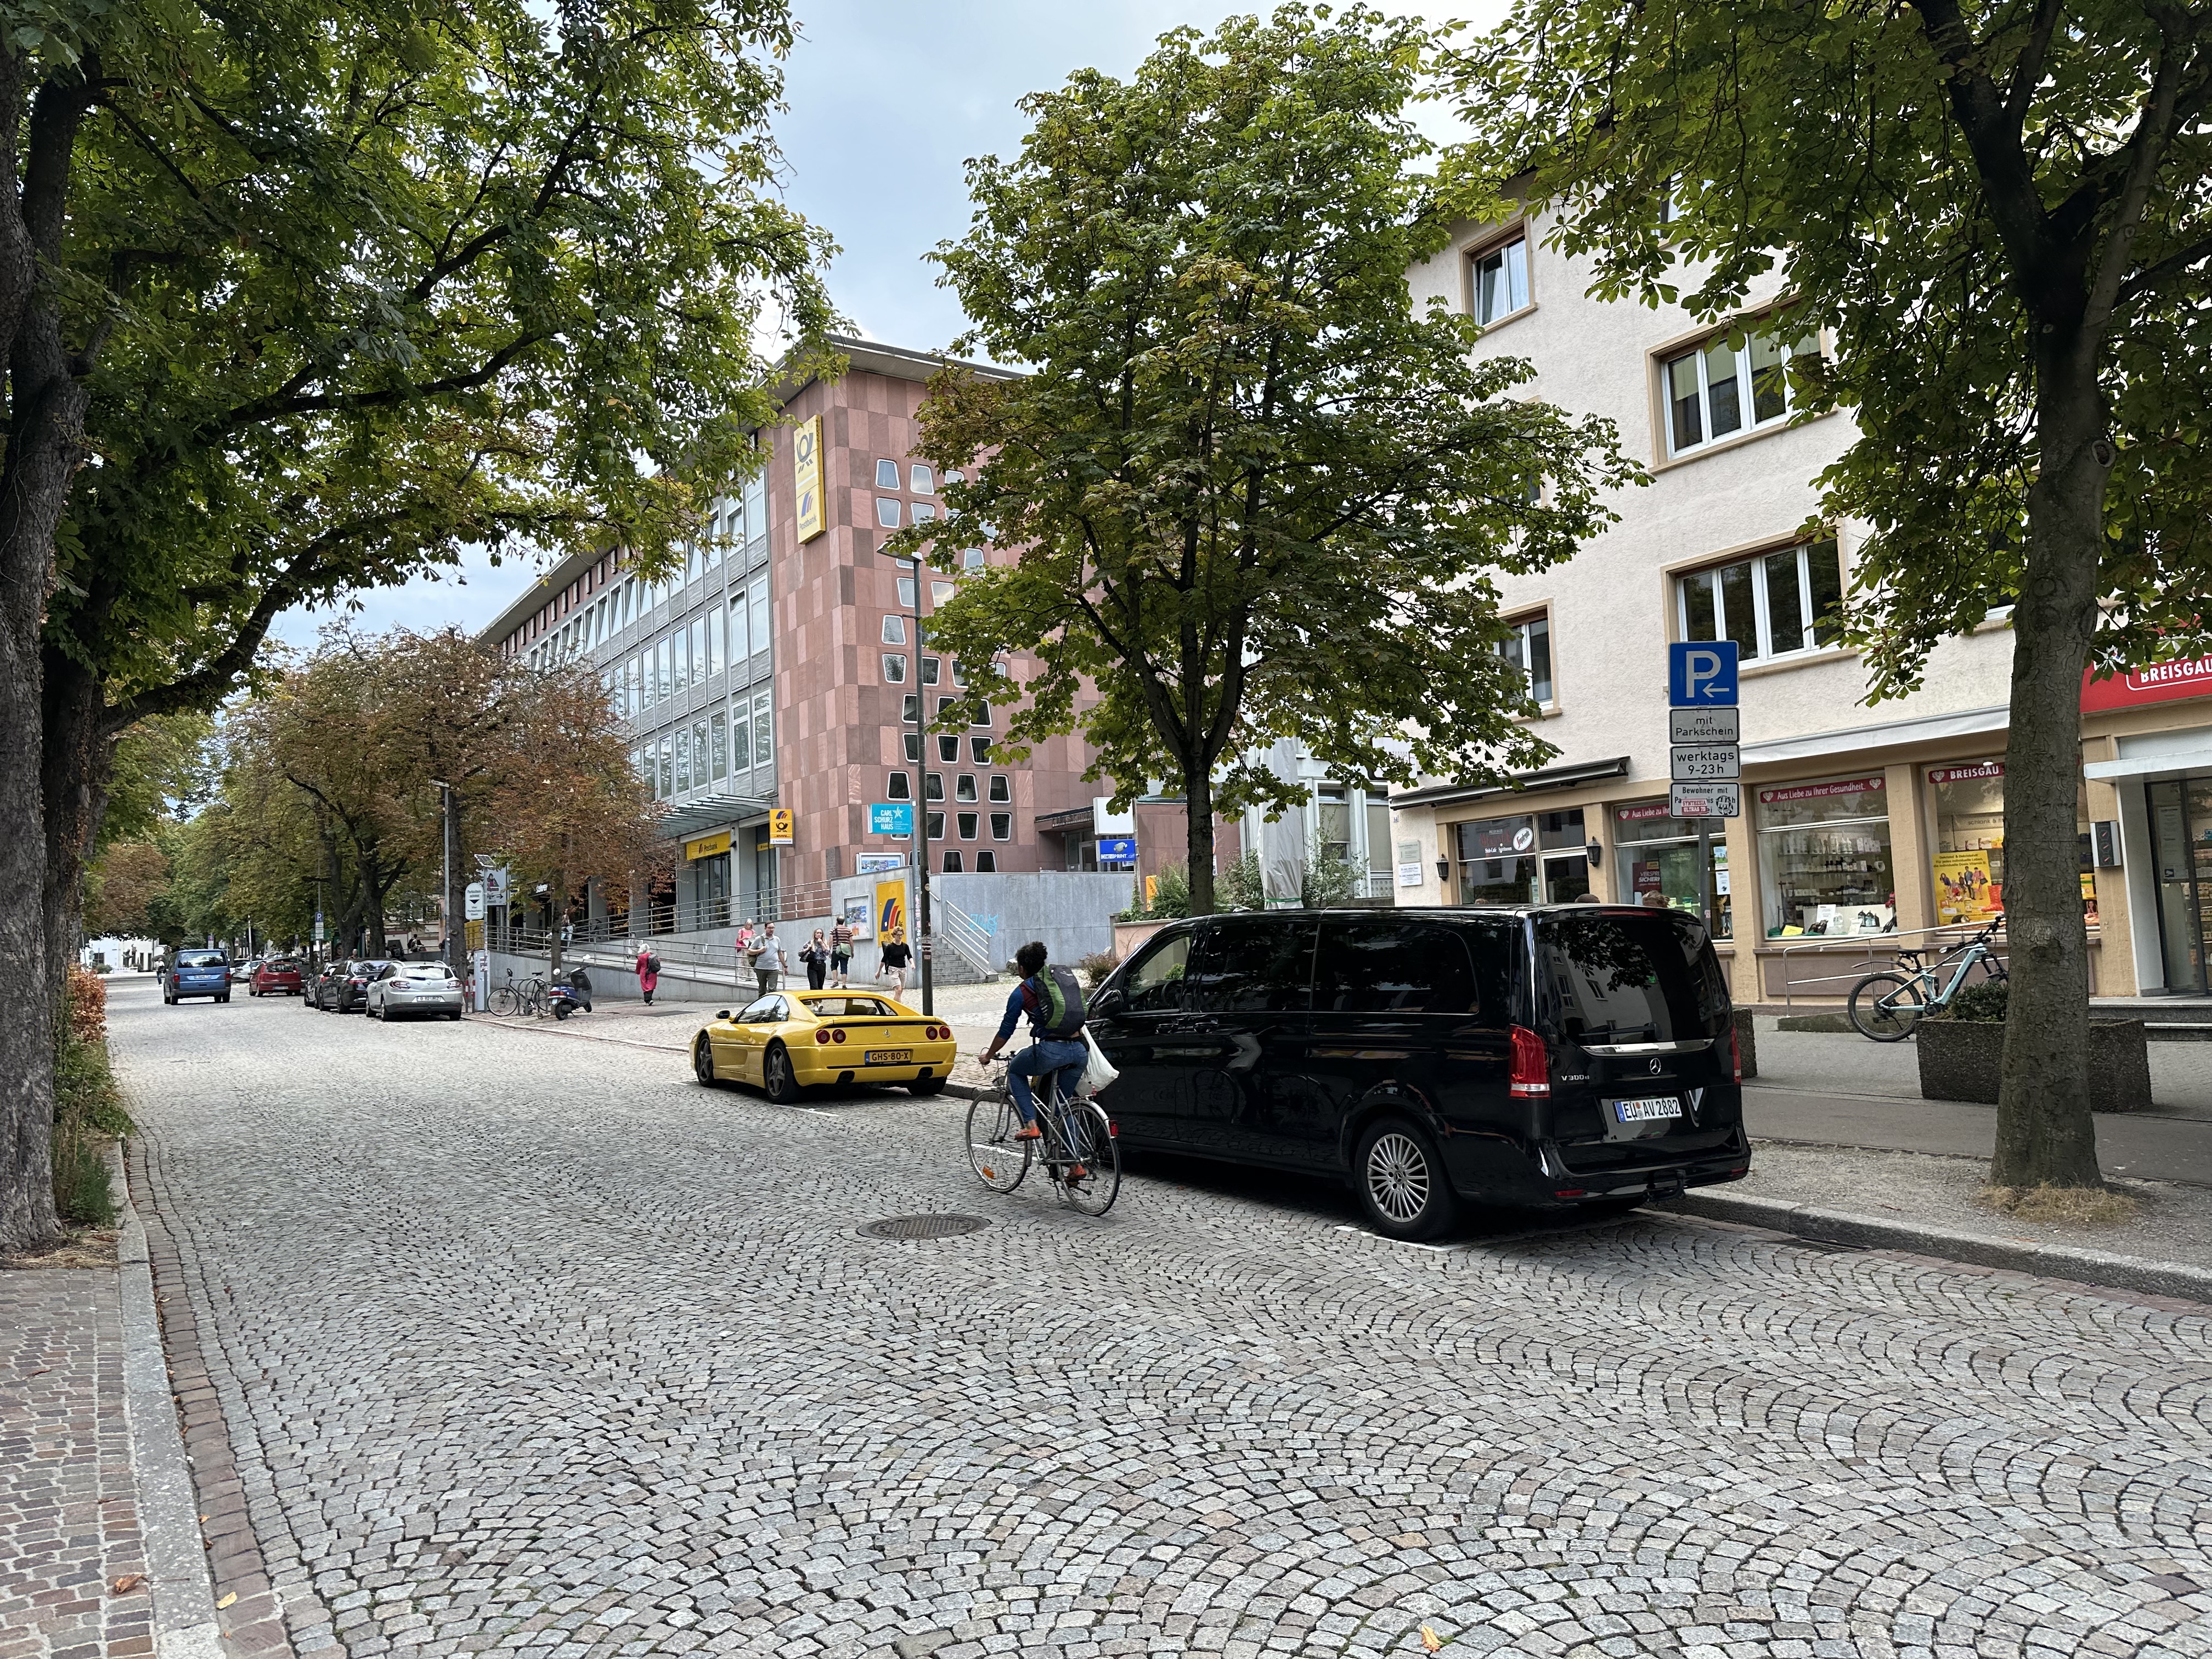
(781, 671)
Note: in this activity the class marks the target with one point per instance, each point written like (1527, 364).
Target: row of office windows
(735, 522)
(1710, 391)
(709, 750)
(1776, 604)
(899, 786)
(693, 653)
(969, 826)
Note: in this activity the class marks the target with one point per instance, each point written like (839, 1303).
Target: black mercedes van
(1530, 1056)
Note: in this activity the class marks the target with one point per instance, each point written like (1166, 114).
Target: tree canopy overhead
(303, 297)
(1257, 492)
(2001, 212)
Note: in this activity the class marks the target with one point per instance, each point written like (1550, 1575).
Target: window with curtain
(1770, 604)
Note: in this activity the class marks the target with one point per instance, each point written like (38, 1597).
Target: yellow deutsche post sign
(779, 826)
(806, 474)
(707, 846)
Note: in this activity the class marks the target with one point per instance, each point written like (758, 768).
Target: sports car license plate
(1647, 1109)
(888, 1057)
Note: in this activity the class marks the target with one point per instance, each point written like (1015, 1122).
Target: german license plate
(888, 1057)
(1647, 1109)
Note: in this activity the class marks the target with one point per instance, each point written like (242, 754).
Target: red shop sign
(1816, 791)
(1966, 773)
(2161, 682)
(1633, 814)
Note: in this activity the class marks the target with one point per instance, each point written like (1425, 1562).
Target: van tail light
(1532, 1066)
(1735, 1054)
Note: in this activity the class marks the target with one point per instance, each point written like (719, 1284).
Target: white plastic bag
(1098, 1070)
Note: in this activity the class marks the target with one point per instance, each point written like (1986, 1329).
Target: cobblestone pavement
(537, 1346)
(68, 1515)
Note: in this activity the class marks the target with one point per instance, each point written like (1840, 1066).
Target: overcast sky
(889, 98)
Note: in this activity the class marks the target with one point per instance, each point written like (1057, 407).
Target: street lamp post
(921, 810)
(450, 836)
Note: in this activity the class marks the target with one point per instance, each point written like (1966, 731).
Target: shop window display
(1969, 858)
(1498, 860)
(1678, 864)
(1825, 860)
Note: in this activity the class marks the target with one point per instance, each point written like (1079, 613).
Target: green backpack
(1059, 1003)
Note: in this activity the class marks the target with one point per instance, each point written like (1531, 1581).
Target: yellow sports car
(787, 1040)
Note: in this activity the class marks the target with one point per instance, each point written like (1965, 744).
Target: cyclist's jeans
(1068, 1059)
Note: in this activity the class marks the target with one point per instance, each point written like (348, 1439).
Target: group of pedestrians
(827, 957)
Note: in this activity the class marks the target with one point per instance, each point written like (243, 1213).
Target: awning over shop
(1552, 777)
(1858, 739)
(712, 812)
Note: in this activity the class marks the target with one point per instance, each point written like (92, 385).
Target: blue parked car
(196, 974)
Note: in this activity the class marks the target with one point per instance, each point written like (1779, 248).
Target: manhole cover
(923, 1226)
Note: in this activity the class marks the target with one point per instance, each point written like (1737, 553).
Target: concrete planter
(1128, 935)
(1961, 1059)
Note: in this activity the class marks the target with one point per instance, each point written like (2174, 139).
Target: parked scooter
(568, 995)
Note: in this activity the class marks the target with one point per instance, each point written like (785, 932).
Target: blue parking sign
(1701, 674)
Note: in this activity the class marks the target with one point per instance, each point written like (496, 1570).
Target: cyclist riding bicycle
(1053, 1003)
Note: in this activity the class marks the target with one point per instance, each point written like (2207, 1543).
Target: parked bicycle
(1888, 1007)
(527, 996)
(1078, 1146)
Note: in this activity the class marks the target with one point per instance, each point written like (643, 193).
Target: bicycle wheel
(999, 1160)
(502, 1000)
(1096, 1154)
(1888, 1006)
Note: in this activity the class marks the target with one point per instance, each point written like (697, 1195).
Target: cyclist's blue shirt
(1023, 1000)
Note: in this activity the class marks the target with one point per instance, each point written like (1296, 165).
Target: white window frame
(894, 628)
(1520, 626)
(887, 474)
(1763, 631)
(1501, 250)
(894, 668)
(921, 478)
(1747, 406)
(1007, 819)
(887, 512)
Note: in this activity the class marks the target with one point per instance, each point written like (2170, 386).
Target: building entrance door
(2181, 851)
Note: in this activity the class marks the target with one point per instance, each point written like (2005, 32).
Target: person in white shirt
(768, 964)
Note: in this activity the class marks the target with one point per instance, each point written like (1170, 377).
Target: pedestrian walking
(768, 964)
(815, 953)
(840, 954)
(892, 962)
(648, 972)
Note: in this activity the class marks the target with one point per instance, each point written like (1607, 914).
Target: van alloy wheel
(1397, 1178)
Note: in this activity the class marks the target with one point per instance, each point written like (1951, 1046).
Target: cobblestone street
(534, 1345)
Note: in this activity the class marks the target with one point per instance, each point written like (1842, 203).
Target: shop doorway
(2181, 853)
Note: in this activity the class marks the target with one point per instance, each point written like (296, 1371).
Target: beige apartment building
(1860, 820)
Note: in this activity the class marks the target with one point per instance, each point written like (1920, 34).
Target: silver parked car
(414, 990)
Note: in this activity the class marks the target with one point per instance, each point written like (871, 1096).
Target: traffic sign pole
(1705, 730)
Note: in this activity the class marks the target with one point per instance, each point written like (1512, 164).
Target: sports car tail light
(822, 1035)
(837, 1035)
(1532, 1066)
(936, 1033)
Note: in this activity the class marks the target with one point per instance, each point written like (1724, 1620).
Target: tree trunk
(1198, 841)
(2045, 1135)
(77, 763)
(558, 900)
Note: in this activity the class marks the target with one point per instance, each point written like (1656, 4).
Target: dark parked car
(1537, 1056)
(343, 988)
(196, 974)
(277, 976)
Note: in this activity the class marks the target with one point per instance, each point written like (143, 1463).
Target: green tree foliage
(305, 296)
(1256, 492)
(1999, 210)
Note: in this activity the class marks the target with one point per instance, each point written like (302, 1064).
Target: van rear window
(1624, 977)
(201, 959)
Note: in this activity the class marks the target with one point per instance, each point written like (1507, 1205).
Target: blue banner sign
(892, 817)
(1117, 850)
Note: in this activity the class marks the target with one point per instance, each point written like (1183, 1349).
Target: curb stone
(2178, 1280)
(185, 1622)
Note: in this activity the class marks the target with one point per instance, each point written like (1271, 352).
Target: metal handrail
(963, 933)
(1963, 933)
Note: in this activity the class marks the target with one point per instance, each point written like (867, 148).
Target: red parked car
(279, 976)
